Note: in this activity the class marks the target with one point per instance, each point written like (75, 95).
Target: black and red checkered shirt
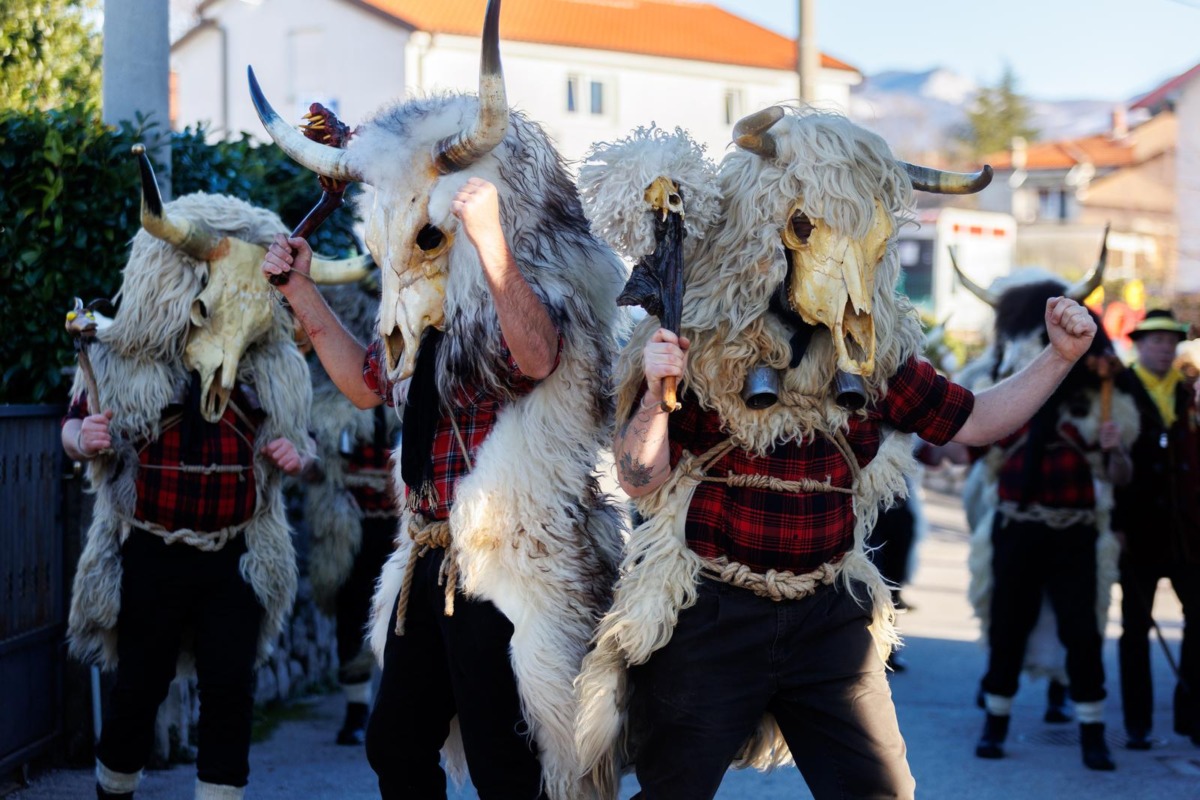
(200, 502)
(1062, 479)
(474, 410)
(372, 460)
(799, 532)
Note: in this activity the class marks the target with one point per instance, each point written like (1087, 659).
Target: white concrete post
(136, 73)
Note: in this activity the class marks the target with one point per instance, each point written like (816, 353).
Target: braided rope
(211, 469)
(773, 584)
(379, 480)
(204, 541)
(426, 536)
(1056, 518)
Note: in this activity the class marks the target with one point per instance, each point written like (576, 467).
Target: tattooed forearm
(634, 472)
(641, 450)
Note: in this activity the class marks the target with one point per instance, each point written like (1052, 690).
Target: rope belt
(197, 469)
(205, 541)
(428, 535)
(1056, 518)
(379, 480)
(773, 584)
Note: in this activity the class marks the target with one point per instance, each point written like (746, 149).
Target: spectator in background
(1157, 518)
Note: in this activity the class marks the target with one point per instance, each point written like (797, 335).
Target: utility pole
(808, 57)
(136, 73)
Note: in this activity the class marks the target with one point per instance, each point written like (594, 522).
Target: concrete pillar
(808, 56)
(136, 73)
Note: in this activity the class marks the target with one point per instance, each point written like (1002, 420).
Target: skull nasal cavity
(802, 227)
(429, 238)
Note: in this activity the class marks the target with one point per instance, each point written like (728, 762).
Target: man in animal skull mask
(498, 303)
(747, 608)
(203, 406)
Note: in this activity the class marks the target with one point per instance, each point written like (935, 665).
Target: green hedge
(69, 206)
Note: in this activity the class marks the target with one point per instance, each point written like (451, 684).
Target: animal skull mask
(832, 281)
(412, 249)
(832, 275)
(233, 311)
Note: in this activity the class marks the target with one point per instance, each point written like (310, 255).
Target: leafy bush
(69, 206)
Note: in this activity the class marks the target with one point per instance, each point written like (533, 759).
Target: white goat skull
(833, 282)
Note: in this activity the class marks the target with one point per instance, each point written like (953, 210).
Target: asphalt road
(934, 699)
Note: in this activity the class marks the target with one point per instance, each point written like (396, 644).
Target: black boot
(991, 742)
(103, 795)
(1095, 749)
(1056, 703)
(354, 727)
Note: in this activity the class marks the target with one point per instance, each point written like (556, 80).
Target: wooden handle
(329, 202)
(669, 402)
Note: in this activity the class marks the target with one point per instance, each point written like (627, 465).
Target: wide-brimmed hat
(1160, 319)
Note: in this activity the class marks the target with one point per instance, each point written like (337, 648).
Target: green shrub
(69, 206)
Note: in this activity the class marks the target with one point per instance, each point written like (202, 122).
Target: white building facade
(355, 57)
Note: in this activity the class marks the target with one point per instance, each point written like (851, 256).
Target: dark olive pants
(735, 656)
(440, 667)
(166, 589)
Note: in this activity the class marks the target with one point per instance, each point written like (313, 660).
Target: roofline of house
(838, 65)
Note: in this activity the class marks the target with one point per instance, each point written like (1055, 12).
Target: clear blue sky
(1059, 49)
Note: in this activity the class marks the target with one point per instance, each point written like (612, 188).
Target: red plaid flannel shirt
(1063, 479)
(175, 499)
(369, 458)
(473, 409)
(799, 532)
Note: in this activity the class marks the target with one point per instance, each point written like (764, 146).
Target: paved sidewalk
(934, 699)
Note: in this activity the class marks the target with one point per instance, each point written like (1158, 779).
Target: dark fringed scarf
(422, 411)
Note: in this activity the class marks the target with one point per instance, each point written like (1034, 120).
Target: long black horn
(457, 152)
(196, 241)
(1088, 283)
(970, 285)
(939, 181)
(752, 133)
(322, 159)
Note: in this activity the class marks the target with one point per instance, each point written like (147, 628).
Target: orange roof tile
(668, 28)
(1099, 150)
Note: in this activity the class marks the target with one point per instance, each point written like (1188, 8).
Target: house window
(572, 93)
(597, 98)
(733, 106)
(1052, 204)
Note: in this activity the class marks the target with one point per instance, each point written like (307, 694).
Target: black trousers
(894, 535)
(1030, 560)
(166, 589)
(354, 597)
(734, 656)
(440, 667)
(1138, 584)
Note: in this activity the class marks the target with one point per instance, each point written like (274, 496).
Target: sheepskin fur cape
(139, 369)
(730, 275)
(532, 532)
(334, 520)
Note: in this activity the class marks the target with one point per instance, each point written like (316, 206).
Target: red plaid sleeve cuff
(517, 380)
(921, 401)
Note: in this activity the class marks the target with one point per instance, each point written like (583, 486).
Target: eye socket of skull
(431, 240)
(199, 312)
(799, 229)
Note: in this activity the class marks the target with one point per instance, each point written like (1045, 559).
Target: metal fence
(33, 593)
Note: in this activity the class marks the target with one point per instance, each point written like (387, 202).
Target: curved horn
(938, 181)
(971, 286)
(751, 133)
(1088, 283)
(320, 158)
(457, 152)
(332, 272)
(195, 240)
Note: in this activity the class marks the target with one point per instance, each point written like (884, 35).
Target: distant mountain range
(919, 112)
